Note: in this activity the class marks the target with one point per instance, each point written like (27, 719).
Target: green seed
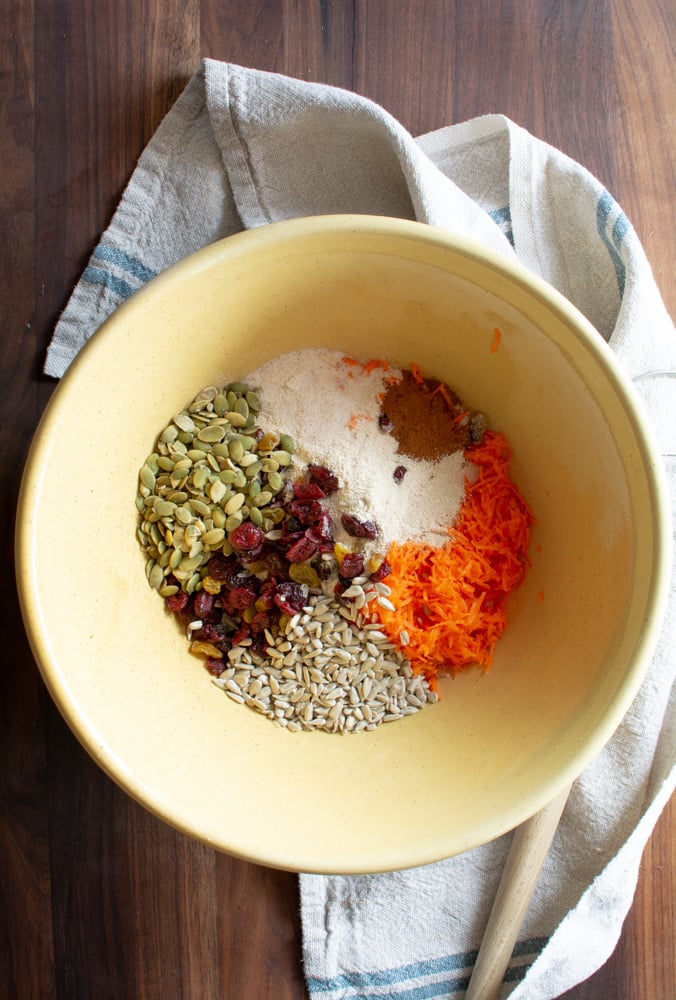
(169, 434)
(242, 407)
(166, 463)
(200, 477)
(254, 400)
(238, 387)
(233, 521)
(192, 583)
(169, 590)
(175, 559)
(283, 457)
(147, 477)
(236, 419)
(234, 503)
(217, 490)
(214, 538)
(212, 433)
(156, 577)
(263, 499)
(164, 508)
(227, 476)
(287, 443)
(236, 450)
(256, 516)
(196, 455)
(275, 481)
(218, 517)
(184, 422)
(200, 507)
(220, 404)
(252, 470)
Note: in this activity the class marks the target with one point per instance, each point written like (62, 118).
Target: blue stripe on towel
(113, 255)
(359, 985)
(606, 207)
(99, 276)
(502, 217)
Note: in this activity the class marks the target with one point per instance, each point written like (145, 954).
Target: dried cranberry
(215, 665)
(384, 423)
(260, 621)
(241, 598)
(307, 511)
(301, 550)
(379, 574)
(218, 568)
(352, 565)
(246, 537)
(324, 477)
(308, 491)
(177, 602)
(357, 528)
(289, 597)
(242, 633)
(207, 633)
(322, 530)
(238, 576)
(399, 473)
(204, 605)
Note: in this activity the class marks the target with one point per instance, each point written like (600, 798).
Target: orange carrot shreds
(366, 366)
(416, 372)
(449, 601)
(496, 340)
(356, 417)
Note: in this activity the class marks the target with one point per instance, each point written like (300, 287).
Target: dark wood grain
(98, 899)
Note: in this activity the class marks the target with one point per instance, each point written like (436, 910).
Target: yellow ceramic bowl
(499, 745)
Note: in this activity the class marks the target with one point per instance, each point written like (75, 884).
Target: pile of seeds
(328, 669)
(211, 471)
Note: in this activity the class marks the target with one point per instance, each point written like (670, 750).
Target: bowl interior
(499, 745)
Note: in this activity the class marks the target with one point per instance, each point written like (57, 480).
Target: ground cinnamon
(425, 416)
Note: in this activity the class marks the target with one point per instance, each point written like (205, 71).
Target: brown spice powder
(425, 417)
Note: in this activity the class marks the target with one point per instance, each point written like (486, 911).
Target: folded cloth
(242, 148)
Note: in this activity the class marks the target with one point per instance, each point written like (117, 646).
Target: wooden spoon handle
(524, 863)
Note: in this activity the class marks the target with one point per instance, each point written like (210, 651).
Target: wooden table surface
(98, 899)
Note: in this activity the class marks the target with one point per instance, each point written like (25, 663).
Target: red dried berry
(306, 511)
(215, 665)
(357, 528)
(384, 423)
(322, 531)
(218, 567)
(289, 598)
(177, 602)
(242, 632)
(352, 565)
(308, 491)
(301, 550)
(246, 537)
(399, 473)
(324, 477)
(242, 597)
(379, 574)
(203, 605)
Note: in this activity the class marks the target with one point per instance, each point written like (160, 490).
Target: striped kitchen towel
(242, 148)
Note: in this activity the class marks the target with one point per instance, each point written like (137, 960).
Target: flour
(331, 409)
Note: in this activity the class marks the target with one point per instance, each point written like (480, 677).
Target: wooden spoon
(522, 869)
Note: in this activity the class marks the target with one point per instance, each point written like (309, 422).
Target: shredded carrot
(352, 362)
(416, 372)
(460, 417)
(450, 600)
(356, 417)
(496, 340)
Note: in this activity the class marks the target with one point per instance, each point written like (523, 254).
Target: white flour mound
(331, 410)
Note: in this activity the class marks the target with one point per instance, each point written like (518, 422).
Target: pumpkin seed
(212, 433)
(147, 477)
(214, 538)
(234, 503)
(184, 422)
(217, 490)
(287, 443)
(235, 418)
